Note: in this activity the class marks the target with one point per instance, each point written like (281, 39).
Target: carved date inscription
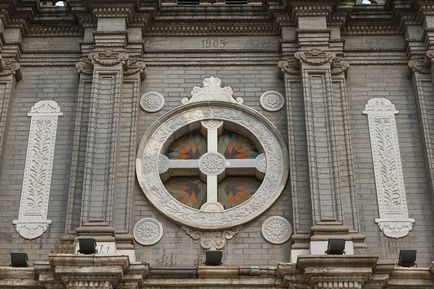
(208, 43)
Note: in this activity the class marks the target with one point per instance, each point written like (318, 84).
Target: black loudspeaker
(19, 260)
(213, 257)
(336, 247)
(87, 245)
(407, 258)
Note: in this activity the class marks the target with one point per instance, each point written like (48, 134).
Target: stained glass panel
(233, 191)
(235, 146)
(189, 146)
(190, 191)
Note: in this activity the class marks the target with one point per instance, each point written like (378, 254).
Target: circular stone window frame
(160, 132)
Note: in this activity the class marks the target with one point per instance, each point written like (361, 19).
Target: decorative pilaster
(32, 219)
(10, 72)
(324, 179)
(392, 201)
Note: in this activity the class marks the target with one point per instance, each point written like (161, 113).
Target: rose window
(213, 163)
(212, 168)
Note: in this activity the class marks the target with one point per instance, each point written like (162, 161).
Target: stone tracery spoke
(212, 165)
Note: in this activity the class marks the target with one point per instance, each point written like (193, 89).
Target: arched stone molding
(32, 219)
(389, 180)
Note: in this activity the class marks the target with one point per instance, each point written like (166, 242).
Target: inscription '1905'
(213, 43)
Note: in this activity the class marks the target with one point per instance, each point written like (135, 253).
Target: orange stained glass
(233, 191)
(235, 146)
(190, 191)
(190, 146)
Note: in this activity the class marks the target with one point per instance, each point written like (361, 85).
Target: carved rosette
(314, 56)
(212, 239)
(212, 90)
(212, 163)
(152, 101)
(389, 181)
(276, 230)
(32, 218)
(148, 231)
(272, 101)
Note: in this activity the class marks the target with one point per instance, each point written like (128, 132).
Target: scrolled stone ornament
(108, 57)
(339, 66)
(314, 56)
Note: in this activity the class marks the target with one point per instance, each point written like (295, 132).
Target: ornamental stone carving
(32, 218)
(212, 90)
(276, 230)
(289, 65)
(148, 231)
(419, 64)
(339, 66)
(212, 115)
(152, 101)
(212, 163)
(212, 239)
(108, 57)
(272, 101)
(389, 181)
(314, 56)
(10, 67)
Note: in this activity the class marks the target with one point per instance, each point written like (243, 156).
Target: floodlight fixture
(335, 247)
(213, 257)
(87, 246)
(407, 258)
(19, 260)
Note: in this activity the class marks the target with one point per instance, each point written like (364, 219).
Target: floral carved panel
(32, 219)
(392, 202)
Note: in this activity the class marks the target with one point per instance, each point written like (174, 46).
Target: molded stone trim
(392, 203)
(32, 219)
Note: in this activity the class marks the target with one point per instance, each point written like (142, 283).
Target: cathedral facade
(265, 130)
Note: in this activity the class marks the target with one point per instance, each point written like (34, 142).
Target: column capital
(314, 56)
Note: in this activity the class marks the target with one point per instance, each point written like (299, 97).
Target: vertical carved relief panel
(32, 219)
(389, 181)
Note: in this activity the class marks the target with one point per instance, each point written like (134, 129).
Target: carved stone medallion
(212, 163)
(276, 230)
(148, 231)
(152, 101)
(272, 100)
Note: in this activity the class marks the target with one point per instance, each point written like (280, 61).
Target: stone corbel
(10, 67)
(314, 56)
(135, 65)
(324, 272)
(289, 65)
(419, 64)
(339, 66)
(100, 272)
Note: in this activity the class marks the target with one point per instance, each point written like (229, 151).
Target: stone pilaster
(10, 72)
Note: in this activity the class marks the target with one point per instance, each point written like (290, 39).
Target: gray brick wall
(59, 84)
(390, 81)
